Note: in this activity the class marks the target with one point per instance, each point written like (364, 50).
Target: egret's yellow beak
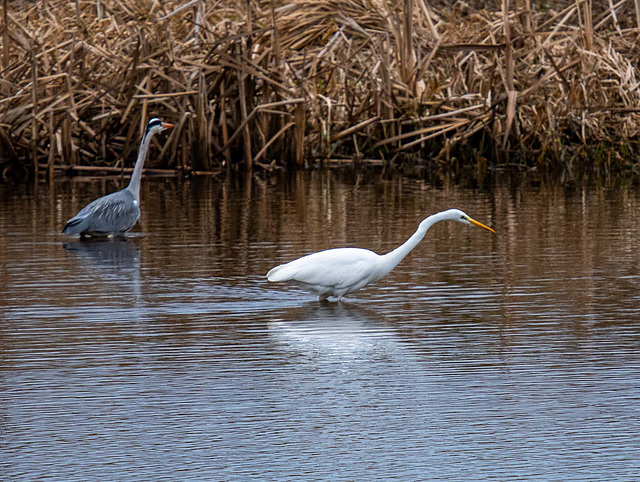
(480, 225)
(166, 125)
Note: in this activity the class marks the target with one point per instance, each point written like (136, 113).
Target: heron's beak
(480, 225)
(166, 125)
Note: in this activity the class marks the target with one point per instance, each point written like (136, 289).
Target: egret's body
(340, 271)
(116, 213)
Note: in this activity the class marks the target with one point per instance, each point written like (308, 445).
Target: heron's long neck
(134, 183)
(394, 257)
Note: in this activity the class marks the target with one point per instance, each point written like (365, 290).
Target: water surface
(168, 356)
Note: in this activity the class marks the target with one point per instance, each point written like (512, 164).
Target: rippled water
(167, 356)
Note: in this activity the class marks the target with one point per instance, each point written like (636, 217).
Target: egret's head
(156, 125)
(457, 215)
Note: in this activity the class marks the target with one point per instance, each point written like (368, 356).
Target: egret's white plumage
(340, 271)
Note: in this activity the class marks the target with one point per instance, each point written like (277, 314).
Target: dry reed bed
(275, 82)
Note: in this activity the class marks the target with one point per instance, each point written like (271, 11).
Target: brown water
(169, 357)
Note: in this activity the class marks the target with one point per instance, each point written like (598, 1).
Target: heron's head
(457, 215)
(156, 125)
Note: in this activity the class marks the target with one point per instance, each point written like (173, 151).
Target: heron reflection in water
(106, 254)
(116, 213)
(113, 264)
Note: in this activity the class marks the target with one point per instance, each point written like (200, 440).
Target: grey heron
(340, 271)
(116, 213)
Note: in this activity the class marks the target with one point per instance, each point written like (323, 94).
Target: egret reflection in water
(342, 330)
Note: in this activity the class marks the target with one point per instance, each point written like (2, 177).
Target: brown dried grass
(272, 82)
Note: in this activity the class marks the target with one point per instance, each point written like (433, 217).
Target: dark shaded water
(168, 355)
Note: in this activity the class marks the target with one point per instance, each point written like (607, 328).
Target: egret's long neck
(134, 183)
(393, 258)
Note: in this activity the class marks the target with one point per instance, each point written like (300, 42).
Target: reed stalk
(34, 111)
(5, 34)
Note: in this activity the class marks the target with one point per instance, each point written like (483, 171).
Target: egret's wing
(339, 268)
(114, 213)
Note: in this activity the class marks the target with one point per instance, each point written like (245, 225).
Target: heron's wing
(339, 268)
(114, 213)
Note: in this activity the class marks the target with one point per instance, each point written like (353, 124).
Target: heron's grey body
(113, 214)
(116, 213)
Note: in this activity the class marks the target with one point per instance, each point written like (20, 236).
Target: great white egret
(340, 271)
(116, 213)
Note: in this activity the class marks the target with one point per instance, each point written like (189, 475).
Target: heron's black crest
(153, 123)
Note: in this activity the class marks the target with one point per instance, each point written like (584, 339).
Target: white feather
(340, 271)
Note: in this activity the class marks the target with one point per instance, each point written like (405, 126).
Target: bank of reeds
(277, 82)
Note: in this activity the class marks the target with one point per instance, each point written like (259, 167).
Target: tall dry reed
(275, 82)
